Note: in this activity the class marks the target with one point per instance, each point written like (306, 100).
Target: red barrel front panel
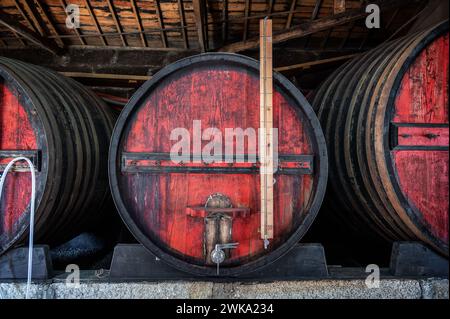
(17, 138)
(220, 97)
(421, 130)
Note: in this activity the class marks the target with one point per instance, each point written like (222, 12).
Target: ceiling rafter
(246, 14)
(138, 18)
(312, 26)
(116, 22)
(291, 14)
(94, 19)
(161, 23)
(183, 24)
(199, 12)
(314, 16)
(26, 18)
(77, 32)
(270, 5)
(28, 34)
(45, 13)
(224, 21)
(33, 15)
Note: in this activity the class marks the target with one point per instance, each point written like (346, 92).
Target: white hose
(33, 195)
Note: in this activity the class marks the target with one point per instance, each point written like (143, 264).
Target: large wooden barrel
(65, 131)
(385, 120)
(179, 211)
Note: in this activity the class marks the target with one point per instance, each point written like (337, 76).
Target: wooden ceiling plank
(161, 23)
(183, 24)
(27, 33)
(116, 22)
(77, 32)
(94, 19)
(137, 16)
(316, 11)
(224, 21)
(312, 27)
(198, 7)
(48, 20)
(31, 12)
(253, 17)
(25, 16)
(246, 15)
(270, 6)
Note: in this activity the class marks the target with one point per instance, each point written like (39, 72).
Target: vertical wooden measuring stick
(266, 131)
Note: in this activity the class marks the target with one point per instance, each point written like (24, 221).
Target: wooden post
(266, 131)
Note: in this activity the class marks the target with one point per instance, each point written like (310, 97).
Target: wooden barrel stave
(74, 130)
(374, 195)
(361, 123)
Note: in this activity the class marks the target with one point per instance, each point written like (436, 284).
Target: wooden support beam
(291, 14)
(137, 16)
(45, 12)
(246, 14)
(270, 4)
(25, 16)
(312, 27)
(183, 24)
(15, 34)
(298, 31)
(77, 32)
(33, 15)
(314, 16)
(224, 21)
(94, 19)
(116, 22)
(27, 34)
(199, 12)
(316, 10)
(109, 76)
(307, 65)
(161, 23)
(253, 17)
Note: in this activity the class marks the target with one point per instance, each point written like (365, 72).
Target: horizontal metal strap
(7, 155)
(419, 136)
(162, 163)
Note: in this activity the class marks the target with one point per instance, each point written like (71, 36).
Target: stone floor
(431, 288)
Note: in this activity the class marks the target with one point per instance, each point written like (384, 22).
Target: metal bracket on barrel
(203, 212)
(35, 157)
(161, 163)
(419, 137)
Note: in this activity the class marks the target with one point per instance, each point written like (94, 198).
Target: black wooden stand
(134, 262)
(416, 260)
(14, 264)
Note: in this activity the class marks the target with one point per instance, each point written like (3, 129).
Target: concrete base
(308, 289)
